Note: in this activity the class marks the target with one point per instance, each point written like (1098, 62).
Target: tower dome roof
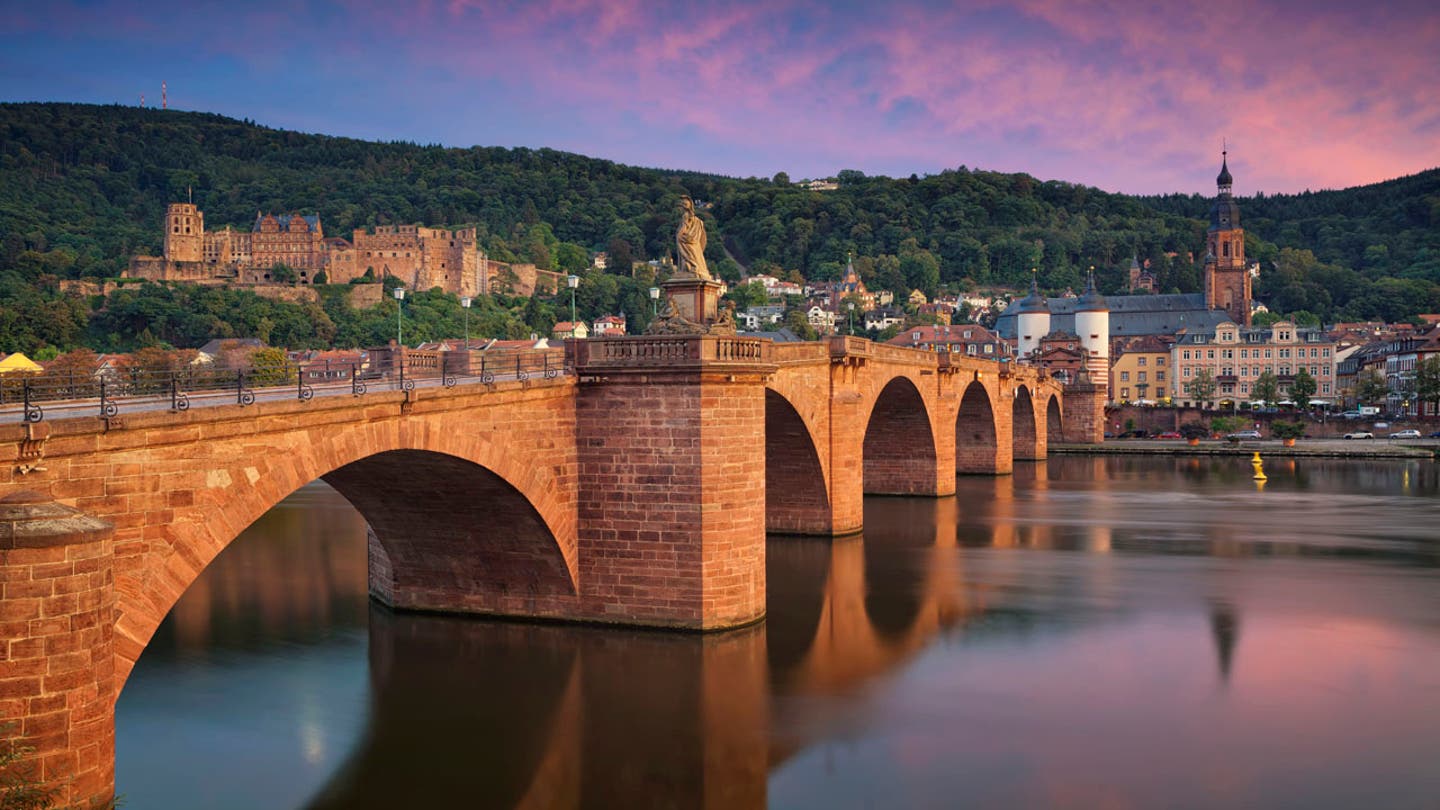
(1034, 302)
(1092, 300)
(1224, 178)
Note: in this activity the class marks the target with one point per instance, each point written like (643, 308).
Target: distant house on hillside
(567, 329)
(608, 325)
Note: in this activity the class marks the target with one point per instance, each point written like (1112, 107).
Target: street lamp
(572, 281)
(654, 301)
(851, 306)
(399, 308)
(465, 302)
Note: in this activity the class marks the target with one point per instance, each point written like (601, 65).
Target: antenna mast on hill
(142, 100)
(164, 102)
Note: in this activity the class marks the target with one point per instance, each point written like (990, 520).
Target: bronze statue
(690, 242)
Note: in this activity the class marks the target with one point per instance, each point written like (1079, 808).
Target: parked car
(1360, 434)
(1435, 435)
(1169, 434)
(1243, 434)
(1133, 434)
(1350, 415)
(1405, 434)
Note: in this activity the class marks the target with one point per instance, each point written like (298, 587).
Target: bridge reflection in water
(493, 713)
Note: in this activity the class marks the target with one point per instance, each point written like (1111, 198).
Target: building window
(1159, 361)
(1159, 376)
(1210, 354)
(1185, 355)
(1124, 376)
(1139, 361)
(1140, 376)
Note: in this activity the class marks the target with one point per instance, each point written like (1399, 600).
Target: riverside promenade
(1313, 448)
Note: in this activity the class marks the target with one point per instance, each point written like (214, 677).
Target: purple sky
(1310, 94)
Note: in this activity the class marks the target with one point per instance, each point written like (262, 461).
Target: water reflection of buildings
(296, 574)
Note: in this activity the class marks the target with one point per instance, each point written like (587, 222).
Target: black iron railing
(107, 394)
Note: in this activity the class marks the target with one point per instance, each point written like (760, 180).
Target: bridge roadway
(632, 491)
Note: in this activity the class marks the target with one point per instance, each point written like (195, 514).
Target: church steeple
(1227, 278)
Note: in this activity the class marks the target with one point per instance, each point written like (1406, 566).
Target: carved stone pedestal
(692, 308)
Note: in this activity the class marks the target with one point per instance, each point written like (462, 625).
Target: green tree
(1371, 388)
(1202, 387)
(1302, 389)
(1427, 381)
(271, 367)
(1266, 388)
(748, 295)
(796, 321)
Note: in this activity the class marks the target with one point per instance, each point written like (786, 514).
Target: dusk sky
(1309, 94)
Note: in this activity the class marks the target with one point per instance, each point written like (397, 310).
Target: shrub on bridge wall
(1227, 424)
(20, 788)
(1287, 430)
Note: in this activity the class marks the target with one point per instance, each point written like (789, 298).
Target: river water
(1090, 632)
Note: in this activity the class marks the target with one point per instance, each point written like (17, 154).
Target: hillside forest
(82, 188)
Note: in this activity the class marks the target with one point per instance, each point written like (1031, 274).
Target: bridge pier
(671, 508)
(57, 659)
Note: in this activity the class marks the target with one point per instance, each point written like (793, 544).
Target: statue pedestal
(693, 308)
(694, 299)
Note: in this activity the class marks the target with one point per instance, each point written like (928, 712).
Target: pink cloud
(1132, 98)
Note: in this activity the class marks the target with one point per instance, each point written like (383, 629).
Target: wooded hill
(84, 187)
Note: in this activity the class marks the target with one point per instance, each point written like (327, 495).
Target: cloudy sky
(1131, 97)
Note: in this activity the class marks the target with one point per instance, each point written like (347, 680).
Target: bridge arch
(898, 453)
(797, 498)
(1054, 421)
(453, 515)
(976, 439)
(1026, 437)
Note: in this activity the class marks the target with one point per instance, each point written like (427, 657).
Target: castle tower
(184, 233)
(1227, 280)
(1032, 321)
(1092, 324)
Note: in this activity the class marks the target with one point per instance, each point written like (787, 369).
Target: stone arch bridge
(637, 489)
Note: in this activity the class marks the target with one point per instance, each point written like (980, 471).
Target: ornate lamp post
(654, 301)
(399, 308)
(465, 302)
(850, 305)
(572, 281)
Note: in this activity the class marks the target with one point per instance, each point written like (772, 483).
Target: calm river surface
(1091, 632)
